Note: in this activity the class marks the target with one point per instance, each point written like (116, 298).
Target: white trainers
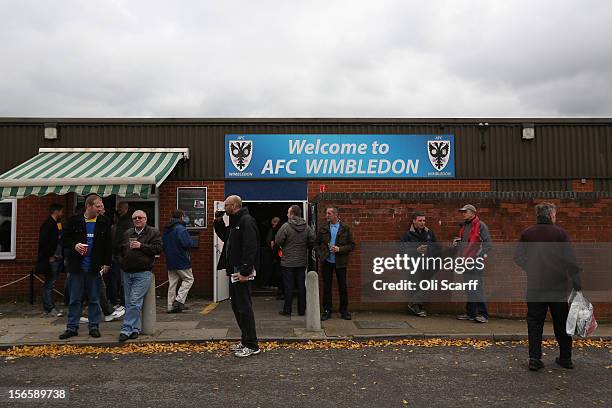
(481, 319)
(117, 314)
(236, 347)
(246, 352)
(83, 320)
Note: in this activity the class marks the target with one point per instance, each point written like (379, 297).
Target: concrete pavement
(23, 324)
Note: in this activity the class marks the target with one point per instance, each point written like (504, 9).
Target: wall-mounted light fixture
(528, 131)
(50, 131)
(482, 127)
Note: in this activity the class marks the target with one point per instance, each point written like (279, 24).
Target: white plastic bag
(580, 319)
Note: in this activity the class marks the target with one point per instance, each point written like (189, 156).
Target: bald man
(241, 249)
(140, 245)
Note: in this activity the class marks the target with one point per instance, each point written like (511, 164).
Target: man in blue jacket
(177, 243)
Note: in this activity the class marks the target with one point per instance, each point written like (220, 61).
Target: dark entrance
(263, 212)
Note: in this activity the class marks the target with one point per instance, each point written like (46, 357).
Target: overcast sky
(257, 58)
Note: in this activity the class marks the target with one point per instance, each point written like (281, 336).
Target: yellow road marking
(209, 308)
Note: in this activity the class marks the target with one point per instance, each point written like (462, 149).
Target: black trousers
(106, 306)
(277, 277)
(536, 314)
(242, 306)
(114, 285)
(328, 271)
(294, 276)
(476, 299)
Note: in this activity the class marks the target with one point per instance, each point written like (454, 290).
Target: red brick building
(503, 166)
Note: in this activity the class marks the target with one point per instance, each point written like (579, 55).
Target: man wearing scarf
(474, 241)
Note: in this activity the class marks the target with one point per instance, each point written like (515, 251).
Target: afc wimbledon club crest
(439, 153)
(241, 152)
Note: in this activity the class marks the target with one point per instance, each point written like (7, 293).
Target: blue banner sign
(339, 156)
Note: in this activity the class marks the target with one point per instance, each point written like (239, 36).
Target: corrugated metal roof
(563, 149)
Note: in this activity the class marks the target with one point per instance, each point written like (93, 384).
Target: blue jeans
(84, 283)
(50, 278)
(136, 285)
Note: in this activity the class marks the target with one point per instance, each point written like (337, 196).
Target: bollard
(313, 310)
(149, 314)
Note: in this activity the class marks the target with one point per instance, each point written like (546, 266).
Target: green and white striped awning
(104, 171)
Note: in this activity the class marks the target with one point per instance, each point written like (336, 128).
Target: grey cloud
(293, 59)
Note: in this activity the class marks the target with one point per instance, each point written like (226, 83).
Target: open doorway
(149, 205)
(264, 212)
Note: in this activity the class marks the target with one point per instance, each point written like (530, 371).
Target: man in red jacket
(474, 241)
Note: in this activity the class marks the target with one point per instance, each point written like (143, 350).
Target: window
(149, 205)
(8, 228)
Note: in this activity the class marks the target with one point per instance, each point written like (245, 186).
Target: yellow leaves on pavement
(221, 348)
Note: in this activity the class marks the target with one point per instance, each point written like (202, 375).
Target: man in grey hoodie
(295, 238)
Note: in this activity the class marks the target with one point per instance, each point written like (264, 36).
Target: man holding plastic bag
(580, 319)
(545, 253)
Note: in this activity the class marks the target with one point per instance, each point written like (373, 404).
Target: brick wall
(202, 256)
(372, 220)
(31, 212)
(340, 186)
(376, 220)
(577, 185)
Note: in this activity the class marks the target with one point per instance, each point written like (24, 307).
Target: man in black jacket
(50, 260)
(334, 243)
(241, 247)
(88, 239)
(124, 223)
(140, 246)
(420, 240)
(545, 253)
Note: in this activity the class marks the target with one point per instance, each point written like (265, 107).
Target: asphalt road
(380, 377)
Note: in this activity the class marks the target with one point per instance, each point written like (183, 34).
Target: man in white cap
(475, 242)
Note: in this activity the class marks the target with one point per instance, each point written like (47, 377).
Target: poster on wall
(193, 201)
(264, 156)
